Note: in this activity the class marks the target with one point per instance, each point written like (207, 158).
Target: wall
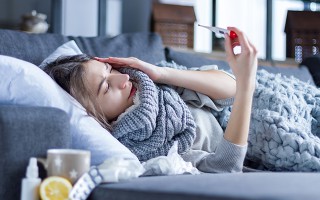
(279, 20)
(136, 15)
(12, 10)
(202, 36)
(80, 13)
(114, 17)
(80, 17)
(123, 16)
(250, 19)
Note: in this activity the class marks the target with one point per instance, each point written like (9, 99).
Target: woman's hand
(243, 65)
(154, 72)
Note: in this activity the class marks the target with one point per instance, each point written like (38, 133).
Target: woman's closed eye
(107, 83)
(104, 83)
(107, 87)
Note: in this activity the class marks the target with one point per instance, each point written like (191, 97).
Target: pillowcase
(67, 49)
(26, 84)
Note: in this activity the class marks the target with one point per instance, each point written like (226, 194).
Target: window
(250, 16)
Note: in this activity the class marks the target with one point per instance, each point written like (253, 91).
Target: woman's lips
(133, 91)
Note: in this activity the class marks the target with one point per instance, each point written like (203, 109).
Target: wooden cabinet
(303, 34)
(175, 24)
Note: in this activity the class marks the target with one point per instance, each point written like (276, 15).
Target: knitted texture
(161, 117)
(285, 124)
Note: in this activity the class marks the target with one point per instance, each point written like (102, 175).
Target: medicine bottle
(30, 184)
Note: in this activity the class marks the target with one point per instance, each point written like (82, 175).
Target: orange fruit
(55, 188)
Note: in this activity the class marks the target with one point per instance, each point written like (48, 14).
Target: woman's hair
(69, 73)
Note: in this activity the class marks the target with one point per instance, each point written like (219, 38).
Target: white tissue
(171, 164)
(120, 169)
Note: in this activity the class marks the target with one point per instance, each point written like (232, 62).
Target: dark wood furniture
(303, 34)
(175, 24)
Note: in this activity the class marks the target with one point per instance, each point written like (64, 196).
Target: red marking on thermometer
(222, 31)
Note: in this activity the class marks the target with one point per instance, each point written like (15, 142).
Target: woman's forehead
(94, 73)
(94, 67)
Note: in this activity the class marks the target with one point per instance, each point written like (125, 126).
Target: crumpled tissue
(121, 169)
(171, 164)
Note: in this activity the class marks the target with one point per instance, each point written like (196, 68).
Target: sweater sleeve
(198, 99)
(228, 157)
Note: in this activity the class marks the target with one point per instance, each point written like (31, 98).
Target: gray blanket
(285, 124)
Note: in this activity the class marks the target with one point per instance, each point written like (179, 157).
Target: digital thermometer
(222, 31)
(235, 43)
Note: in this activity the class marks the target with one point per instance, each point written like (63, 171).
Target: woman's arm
(213, 83)
(244, 67)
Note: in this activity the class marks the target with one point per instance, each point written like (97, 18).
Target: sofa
(28, 130)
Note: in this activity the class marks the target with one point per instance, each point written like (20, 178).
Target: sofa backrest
(35, 48)
(30, 47)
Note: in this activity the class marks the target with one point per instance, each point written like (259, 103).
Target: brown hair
(69, 73)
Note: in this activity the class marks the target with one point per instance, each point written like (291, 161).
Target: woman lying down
(147, 107)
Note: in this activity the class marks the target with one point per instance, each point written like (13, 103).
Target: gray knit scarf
(161, 117)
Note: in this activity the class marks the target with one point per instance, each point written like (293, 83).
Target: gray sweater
(211, 152)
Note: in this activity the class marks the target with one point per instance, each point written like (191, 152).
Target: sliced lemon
(55, 188)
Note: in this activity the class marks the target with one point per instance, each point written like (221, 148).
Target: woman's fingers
(244, 64)
(253, 47)
(154, 72)
(119, 62)
(101, 59)
(228, 48)
(244, 42)
(125, 61)
(241, 37)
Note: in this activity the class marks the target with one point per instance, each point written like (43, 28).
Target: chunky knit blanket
(285, 124)
(158, 118)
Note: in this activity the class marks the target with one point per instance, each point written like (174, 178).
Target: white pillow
(67, 49)
(26, 84)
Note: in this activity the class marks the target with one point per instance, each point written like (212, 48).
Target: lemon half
(55, 188)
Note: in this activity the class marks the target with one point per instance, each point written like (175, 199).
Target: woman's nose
(120, 80)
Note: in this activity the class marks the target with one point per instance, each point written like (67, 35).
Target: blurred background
(280, 29)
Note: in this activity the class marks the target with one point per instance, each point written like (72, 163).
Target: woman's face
(114, 91)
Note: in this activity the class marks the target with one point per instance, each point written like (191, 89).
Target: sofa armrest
(27, 132)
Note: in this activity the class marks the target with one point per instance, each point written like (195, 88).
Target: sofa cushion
(27, 131)
(26, 84)
(35, 48)
(145, 46)
(230, 186)
(29, 47)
